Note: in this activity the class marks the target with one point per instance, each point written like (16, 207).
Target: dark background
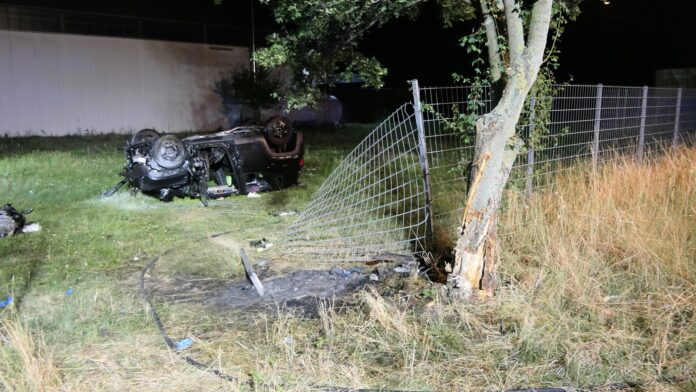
(620, 43)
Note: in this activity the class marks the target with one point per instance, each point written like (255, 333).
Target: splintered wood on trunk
(497, 146)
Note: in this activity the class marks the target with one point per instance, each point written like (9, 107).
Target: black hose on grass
(167, 339)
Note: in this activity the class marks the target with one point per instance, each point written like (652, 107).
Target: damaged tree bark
(496, 148)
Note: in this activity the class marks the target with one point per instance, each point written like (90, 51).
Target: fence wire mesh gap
(373, 204)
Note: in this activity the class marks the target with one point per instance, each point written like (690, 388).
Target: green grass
(61, 177)
(597, 286)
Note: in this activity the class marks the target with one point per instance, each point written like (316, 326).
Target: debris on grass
(253, 195)
(183, 344)
(343, 273)
(14, 222)
(69, 292)
(251, 274)
(6, 302)
(260, 245)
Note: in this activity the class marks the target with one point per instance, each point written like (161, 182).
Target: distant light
(606, 2)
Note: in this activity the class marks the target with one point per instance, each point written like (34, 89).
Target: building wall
(59, 84)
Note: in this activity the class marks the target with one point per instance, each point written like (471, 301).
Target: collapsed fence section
(407, 181)
(373, 203)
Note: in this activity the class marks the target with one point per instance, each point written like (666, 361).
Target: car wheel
(145, 135)
(169, 152)
(278, 131)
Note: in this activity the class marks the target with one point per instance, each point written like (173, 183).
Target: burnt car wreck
(251, 158)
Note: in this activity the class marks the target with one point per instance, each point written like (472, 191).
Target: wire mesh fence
(409, 175)
(373, 203)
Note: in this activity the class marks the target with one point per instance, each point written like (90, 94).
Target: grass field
(598, 287)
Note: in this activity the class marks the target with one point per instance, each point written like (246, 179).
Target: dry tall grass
(598, 279)
(25, 363)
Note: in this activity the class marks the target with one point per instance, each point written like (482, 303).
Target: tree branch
(494, 60)
(358, 30)
(515, 31)
(538, 31)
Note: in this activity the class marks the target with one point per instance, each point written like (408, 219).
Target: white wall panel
(58, 84)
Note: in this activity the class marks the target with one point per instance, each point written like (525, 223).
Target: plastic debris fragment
(69, 292)
(6, 302)
(184, 343)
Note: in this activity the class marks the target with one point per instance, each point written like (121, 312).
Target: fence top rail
(569, 85)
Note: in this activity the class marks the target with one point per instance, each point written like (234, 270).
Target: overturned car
(241, 160)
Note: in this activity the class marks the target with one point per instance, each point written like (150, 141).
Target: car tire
(278, 131)
(145, 135)
(168, 152)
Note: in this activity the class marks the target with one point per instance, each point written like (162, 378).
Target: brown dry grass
(598, 279)
(25, 363)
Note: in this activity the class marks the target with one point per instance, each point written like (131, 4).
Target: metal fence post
(675, 138)
(530, 150)
(423, 155)
(597, 125)
(641, 135)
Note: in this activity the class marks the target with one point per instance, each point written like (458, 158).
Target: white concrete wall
(58, 84)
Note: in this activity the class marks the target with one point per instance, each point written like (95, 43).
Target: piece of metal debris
(251, 275)
(374, 277)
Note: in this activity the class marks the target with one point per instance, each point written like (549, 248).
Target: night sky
(620, 43)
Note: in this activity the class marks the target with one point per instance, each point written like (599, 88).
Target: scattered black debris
(260, 245)
(112, 191)
(14, 222)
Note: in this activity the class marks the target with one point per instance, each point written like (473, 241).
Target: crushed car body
(251, 158)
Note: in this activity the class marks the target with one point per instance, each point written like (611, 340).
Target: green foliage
(457, 11)
(319, 43)
(241, 87)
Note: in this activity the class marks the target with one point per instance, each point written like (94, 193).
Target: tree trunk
(497, 146)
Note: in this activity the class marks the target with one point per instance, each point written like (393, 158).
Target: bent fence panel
(373, 206)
